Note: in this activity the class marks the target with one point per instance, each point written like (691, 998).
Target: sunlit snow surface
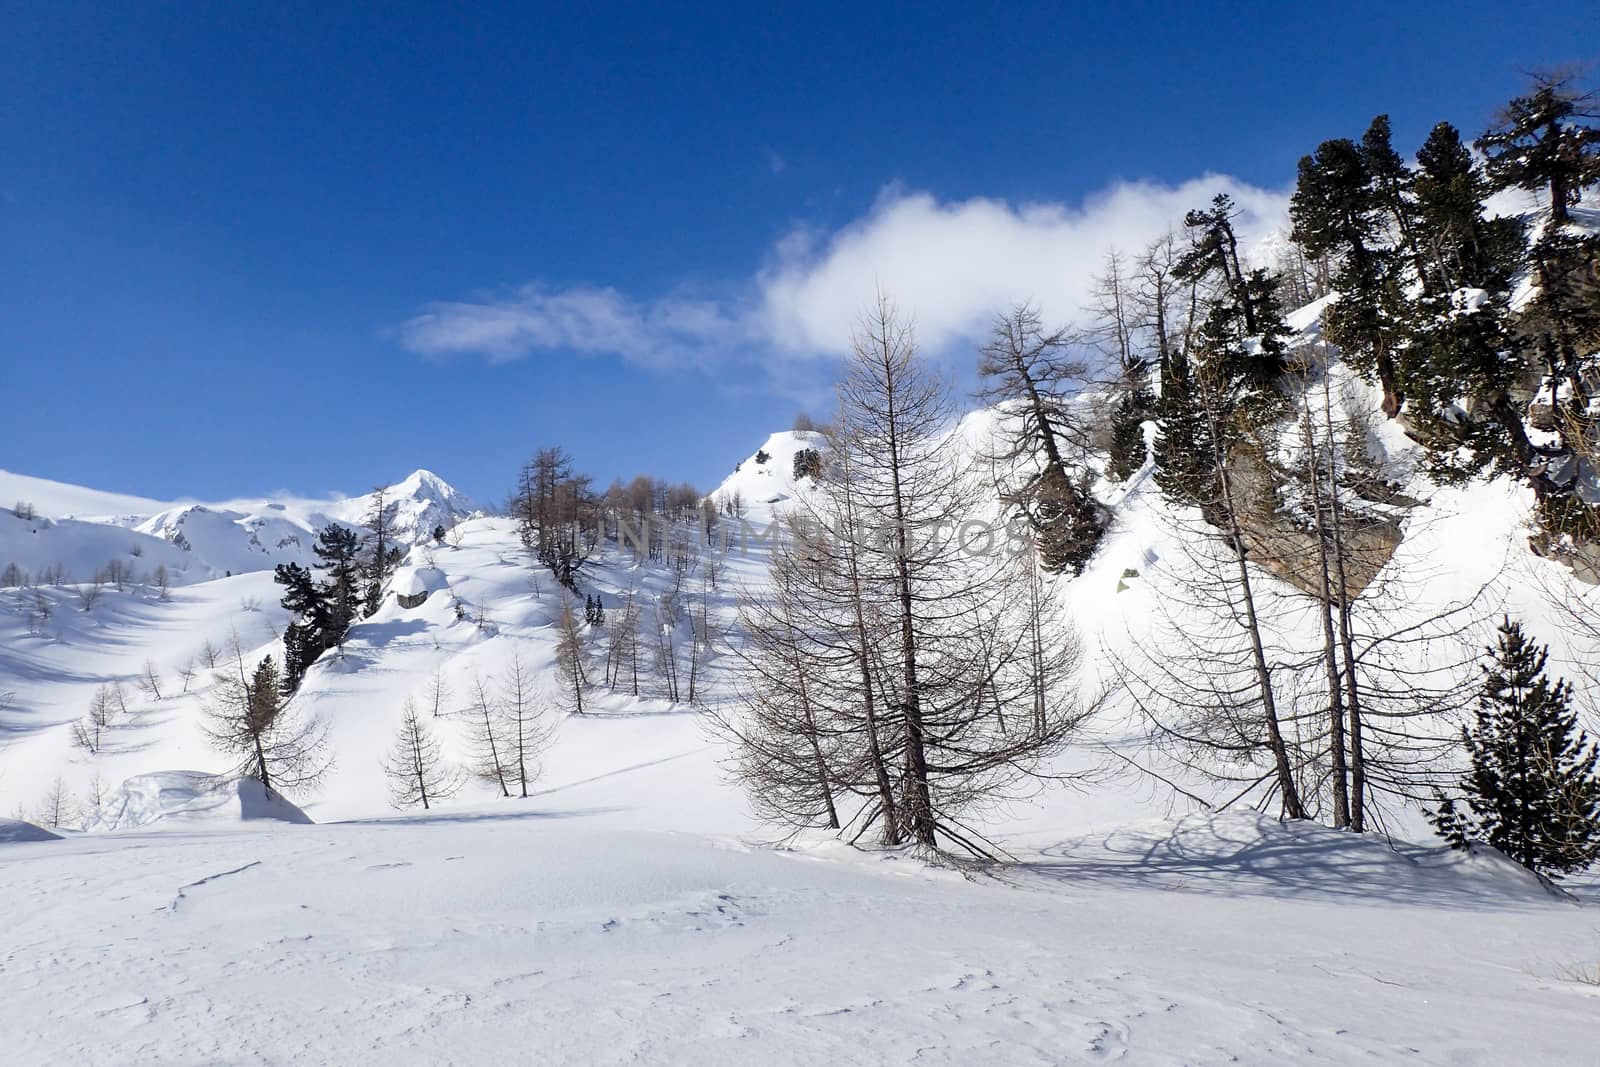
(628, 912)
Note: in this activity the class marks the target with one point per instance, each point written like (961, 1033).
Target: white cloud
(953, 265)
(949, 264)
(584, 319)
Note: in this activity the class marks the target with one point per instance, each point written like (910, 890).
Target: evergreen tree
(1185, 467)
(1134, 405)
(303, 638)
(322, 610)
(1214, 250)
(1033, 372)
(1464, 248)
(1532, 791)
(1462, 353)
(1393, 186)
(1543, 141)
(1337, 210)
(338, 555)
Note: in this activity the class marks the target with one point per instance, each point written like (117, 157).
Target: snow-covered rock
(189, 798)
(411, 585)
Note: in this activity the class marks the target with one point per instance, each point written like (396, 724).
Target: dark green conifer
(1532, 790)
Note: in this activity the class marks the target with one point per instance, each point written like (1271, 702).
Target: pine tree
(1532, 790)
(338, 551)
(1214, 250)
(1338, 210)
(1543, 141)
(1128, 416)
(1393, 186)
(1032, 372)
(1185, 469)
(1465, 249)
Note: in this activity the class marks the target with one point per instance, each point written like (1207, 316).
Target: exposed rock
(1289, 549)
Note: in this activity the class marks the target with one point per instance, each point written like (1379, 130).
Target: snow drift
(190, 798)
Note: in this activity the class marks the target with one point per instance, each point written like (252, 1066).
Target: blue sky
(315, 246)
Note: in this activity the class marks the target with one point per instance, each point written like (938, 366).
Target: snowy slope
(762, 484)
(60, 500)
(622, 913)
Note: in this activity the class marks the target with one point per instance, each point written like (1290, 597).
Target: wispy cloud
(949, 264)
(589, 320)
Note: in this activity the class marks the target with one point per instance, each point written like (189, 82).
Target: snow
(191, 798)
(65, 501)
(628, 912)
(763, 484)
(200, 541)
(412, 581)
(544, 933)
(14, 831)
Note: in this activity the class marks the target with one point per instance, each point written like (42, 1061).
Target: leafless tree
(39, 611)
(1216, 701)
(119, 573)
(415, 767)
(150, 680)
(666, 645)
(87, 732)
(247, 719)
(187, 673)
(488, 744)
(380, 546)
(701, 639)
(902, 664)
(438, 694)
(95, 804)
(622, 644)
(58, 807)
(527, 723)
(570, 669)
(89, 592)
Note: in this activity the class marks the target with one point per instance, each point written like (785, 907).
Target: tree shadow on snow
(1245, 857)
(440, 818)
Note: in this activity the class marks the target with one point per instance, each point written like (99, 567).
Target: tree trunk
(1358, 768)
(1292, 807)
(1325, 610)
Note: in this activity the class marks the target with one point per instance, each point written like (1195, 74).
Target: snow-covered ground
(547, 932)
(629, 912)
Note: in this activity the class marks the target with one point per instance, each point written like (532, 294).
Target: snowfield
(545, 933)
(630, 911)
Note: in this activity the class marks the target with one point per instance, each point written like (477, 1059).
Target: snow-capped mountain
(81, 531)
